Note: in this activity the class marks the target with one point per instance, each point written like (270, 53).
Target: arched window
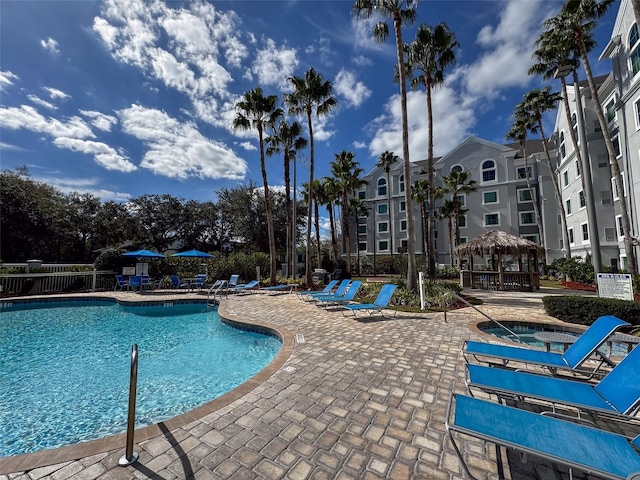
(401, 180)
(456, 168)
(382, 187)
(563, 151)
(634, 49)
(488, 171)
(574, 124)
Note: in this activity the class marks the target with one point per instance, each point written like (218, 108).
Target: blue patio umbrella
(193, 254)
(143, 253)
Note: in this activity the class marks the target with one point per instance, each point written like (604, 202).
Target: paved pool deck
(345, 399)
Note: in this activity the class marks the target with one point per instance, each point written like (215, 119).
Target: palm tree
(400, 12)
(360, 208)
(319, 198)
(537, 102)
(578, 16)
(386, 161)
(347, 174)
(458, 182)
(447, 212)
(524, 123)
(286, 139)
(428, 55)
(260, 112)
(420, 194)
(332, 194)
(311, 96)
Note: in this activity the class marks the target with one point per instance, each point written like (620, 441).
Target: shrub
(447, 272)
(585, 310)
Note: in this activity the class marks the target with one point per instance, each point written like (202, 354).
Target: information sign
(615, 285)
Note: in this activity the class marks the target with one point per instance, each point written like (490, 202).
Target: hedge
(585, 310)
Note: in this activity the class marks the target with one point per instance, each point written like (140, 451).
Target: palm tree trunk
(289, 207)
(390, 207)
(309, 274)
(345, 228)
(317, 222)
(425, 232)
(332, 226)
(412, 280)
(432, 209)
(450, 244)
(556, 186)
(617, 175)
(269, 207)
(534, 198)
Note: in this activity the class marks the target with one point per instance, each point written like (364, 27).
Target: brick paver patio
(348, 400)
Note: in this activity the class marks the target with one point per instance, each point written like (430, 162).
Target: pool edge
(55, 456)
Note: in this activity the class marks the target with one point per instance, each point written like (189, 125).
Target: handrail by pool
(519, 339)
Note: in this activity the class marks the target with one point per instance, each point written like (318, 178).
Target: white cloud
(248, 146)
(273, 65)
(321, 50)
(54, 93)
(103, 154)
(353, 91)
(50, 44)
(28, 118)
(80, 185)
(8, 146)
(6, 79)
(362, 61)
(451, 124)
(99, 120)
(358, 144)
(179, 150)
(43, 103)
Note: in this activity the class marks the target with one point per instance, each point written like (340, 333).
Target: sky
(122, 98)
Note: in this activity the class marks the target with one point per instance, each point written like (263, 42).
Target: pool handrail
(486, 316)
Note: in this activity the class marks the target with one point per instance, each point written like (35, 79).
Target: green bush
(585, 310)
(447, 272)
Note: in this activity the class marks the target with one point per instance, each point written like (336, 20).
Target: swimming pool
(65, 367)
(526, 331)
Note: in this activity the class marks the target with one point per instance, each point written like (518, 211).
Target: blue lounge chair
(572, 359)
(348, 296)
(245, 287)
(121, 283)
(597, 452)
(342, 288)
(325, 291)
(177, 283)
(381, 302)
(618, 393)
(135, 281)
(200, 281)
(278, 289)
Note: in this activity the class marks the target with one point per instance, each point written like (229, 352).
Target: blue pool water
(64, 369)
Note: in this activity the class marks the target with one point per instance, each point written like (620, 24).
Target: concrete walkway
(347, 400)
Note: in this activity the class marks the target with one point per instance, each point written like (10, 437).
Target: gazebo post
(500, 272)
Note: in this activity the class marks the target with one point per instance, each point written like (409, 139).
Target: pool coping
(474, 326)
(28, 461)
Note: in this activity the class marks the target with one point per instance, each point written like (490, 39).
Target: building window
(614, 188)
(634, 49)
(462, 221)
(491, 219)
(383, 227)
(527, 218)
(637, 113)
(401, 183)
(563, 150)
(574, 125)
(362, 229)
(362, 246)
(578, 169)
(619, 230)
(462, 240)
(532, 238)
(383, 208)
(362, 194)
(568, 206)
(571, 239)
(524, 195)
(610, 109)
(456, 168)
(489, 197)
(383, 245)
(583, 202)
(523, 172)
(382, 187)
(462, 200)
(585, 232)
(488, 171)
(616, 146)
(403, 206)
(403, 225)
(565, 178)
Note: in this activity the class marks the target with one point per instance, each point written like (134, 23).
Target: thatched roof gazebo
(497, 242)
